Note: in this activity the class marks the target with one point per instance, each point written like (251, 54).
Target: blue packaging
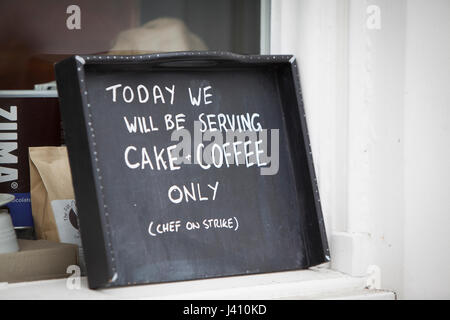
(28, 118)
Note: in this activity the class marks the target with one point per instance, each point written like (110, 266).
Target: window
(36, 34)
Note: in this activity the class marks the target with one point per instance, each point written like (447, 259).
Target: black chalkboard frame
(96, 235)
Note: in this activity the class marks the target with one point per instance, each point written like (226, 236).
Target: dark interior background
(33, 34)
(230, 25)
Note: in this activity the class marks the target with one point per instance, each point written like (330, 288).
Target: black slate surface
(275, 221)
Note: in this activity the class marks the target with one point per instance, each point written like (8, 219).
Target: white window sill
(315, 283)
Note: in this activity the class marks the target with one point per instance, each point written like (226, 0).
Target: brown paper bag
(52, 197)
(50, 179)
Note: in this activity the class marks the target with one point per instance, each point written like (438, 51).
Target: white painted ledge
(315, 283)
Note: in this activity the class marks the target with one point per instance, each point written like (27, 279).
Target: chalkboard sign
(190, 165)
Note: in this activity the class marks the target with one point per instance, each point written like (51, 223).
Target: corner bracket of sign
(80, 60)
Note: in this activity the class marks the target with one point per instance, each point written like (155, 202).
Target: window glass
(36, 34)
